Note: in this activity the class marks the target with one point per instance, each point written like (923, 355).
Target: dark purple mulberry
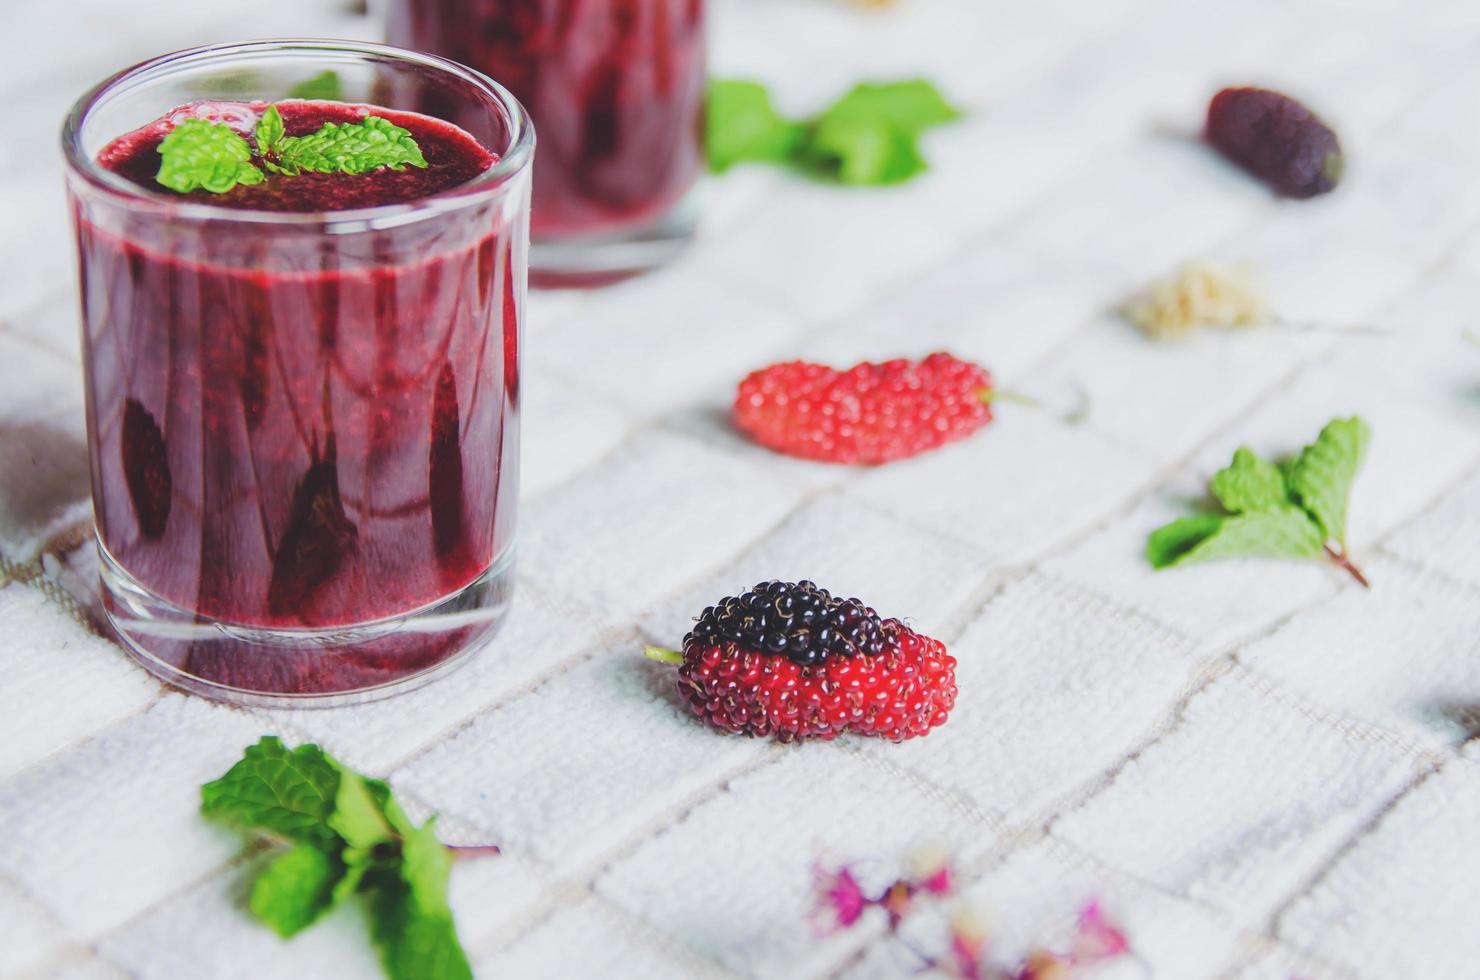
(798, 620)
(1276, 139)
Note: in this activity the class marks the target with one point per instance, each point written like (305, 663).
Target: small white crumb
(1202, 293)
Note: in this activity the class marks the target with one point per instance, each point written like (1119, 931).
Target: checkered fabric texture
(1260, 769)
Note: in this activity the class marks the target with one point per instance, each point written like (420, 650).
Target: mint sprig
(870, 136)
(743, 126)
(270, 132)
(342, 834)
(1297, 511)
(1322, 475)
(297, 888)
(344, 148)
(199, 154)
(203, 155)
(288, 794)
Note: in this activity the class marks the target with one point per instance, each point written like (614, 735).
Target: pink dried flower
(841, 902)
(1043, 965)
(839, 899)
(968, 945)
(1096, 937)
(896, 902)
(940, 883)
(931, 872)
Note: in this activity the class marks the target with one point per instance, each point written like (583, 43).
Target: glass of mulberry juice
(616, 89)
(301, 328)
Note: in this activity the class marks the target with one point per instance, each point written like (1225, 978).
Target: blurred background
(1258, 840)
(1074, 176)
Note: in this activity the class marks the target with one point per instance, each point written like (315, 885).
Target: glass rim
(513, 159)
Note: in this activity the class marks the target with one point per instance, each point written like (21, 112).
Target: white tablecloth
(1259, 768)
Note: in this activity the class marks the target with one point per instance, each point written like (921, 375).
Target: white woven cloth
(1260, 769)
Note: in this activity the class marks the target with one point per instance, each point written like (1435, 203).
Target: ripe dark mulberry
(1276, 139)
(744, 670)
(798, 620)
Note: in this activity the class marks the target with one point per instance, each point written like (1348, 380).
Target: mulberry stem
(1342, 561)
(663, 655)
(991, 395)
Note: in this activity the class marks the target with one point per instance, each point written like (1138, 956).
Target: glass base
(586, 261)
(306, 667)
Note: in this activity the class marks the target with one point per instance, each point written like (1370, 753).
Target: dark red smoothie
(615, 88)
(299, 430)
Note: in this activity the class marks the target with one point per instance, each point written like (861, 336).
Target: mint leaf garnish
(912, 105)
(1284, 532)
(211, 156)
(425, 868)
(206, 155)
(1170, 543)
(357, 817)
(741, 125)
(323, 87)
(348, 836)
(1250, 483)
(869, 136)
(1295, 510)
(423, 942)
(278, 792)
(270, 133)
(1322, 476)
(298, 887)
(863, 148)
(413, 944)
(348, 148)
(380, 791)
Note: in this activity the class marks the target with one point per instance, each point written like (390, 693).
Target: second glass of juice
(303, 392)
(616, 89)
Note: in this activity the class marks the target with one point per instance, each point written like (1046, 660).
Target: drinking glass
(616, 89)
(303, 427)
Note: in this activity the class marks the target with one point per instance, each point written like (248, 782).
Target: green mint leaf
(350, 148)
(1250, 483)
(323, 87)
(414, 945)
(358, 817)
(296, 889)
(352, 838)
(275, 791)
(270, 132)
(1322, 476)
(380, 791)
(1283, 532)
(1292, 509)
(204, 155)
(426, 865)
(863, 150)
(354, 874)
(741, 125)
(413, 922)
(870, 135)
(1170, 543)
(913, 105)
